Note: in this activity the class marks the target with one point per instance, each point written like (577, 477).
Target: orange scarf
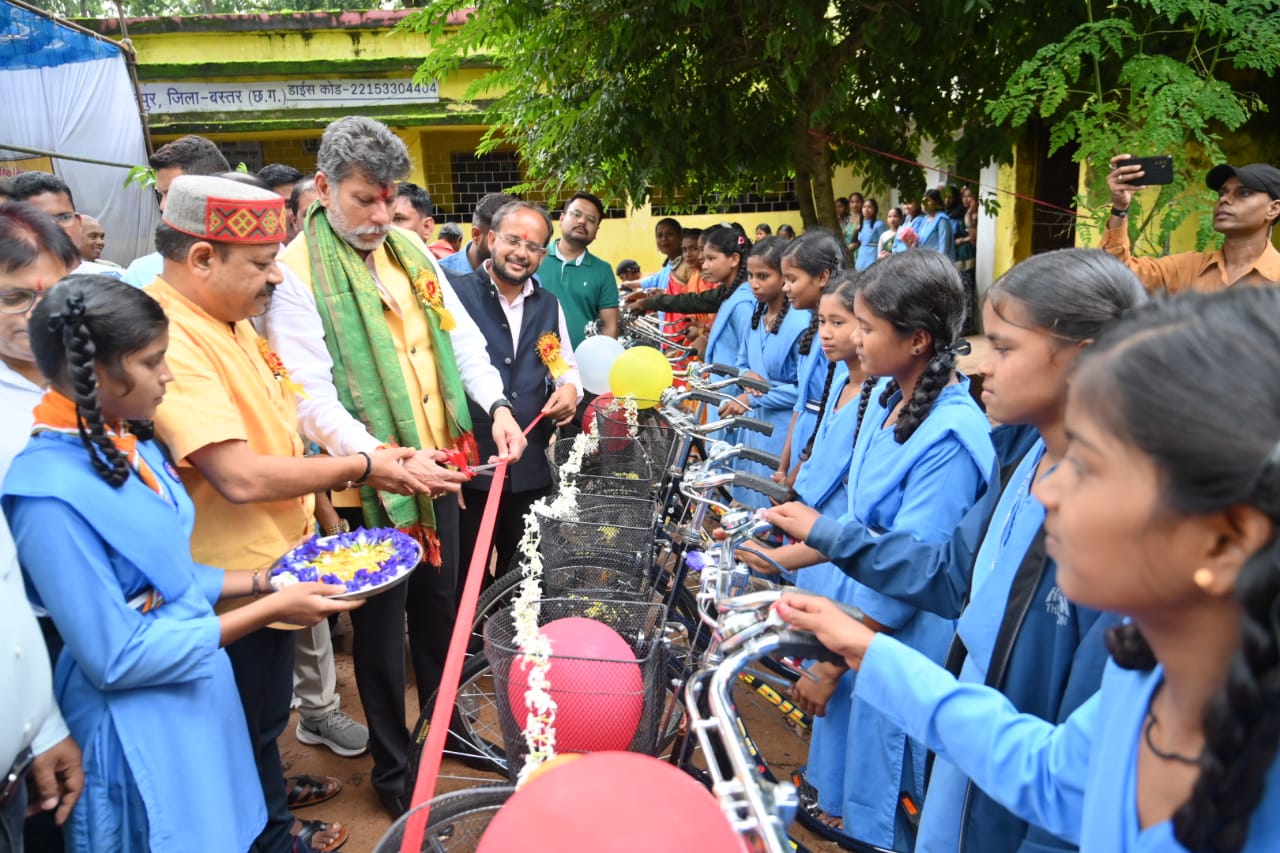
(58, 413)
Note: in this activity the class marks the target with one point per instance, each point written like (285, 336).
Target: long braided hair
(770, 250)
(817, 251)
(1217, 460)
(85, 324)
(918, 291)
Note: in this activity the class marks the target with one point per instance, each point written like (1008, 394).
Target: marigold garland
(278, 370)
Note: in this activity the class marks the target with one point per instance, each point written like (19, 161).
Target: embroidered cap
(224, 211)
(1262, 177)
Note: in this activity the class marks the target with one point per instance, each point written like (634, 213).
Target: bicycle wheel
(497, 597)
(475, 735)
(456, 822)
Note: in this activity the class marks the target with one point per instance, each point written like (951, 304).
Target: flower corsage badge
(428, 290)
(549, 351)
(278, 370)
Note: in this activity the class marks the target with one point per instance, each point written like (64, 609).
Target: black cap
(1256, 176)
(627, 266)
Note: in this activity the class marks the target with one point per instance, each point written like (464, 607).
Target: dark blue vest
(525, 379)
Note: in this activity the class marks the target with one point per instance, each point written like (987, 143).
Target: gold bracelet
(339, 526)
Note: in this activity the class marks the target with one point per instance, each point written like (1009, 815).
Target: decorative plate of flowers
(366, 562)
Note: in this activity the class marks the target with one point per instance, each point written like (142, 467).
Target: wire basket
(616, 531)
(617, 466)
(456, 821)
(655, 436)
(604, 703)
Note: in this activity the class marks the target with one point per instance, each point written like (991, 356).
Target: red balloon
(596, 682)
(611, 802)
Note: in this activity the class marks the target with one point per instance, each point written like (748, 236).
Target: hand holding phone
(1129, 174)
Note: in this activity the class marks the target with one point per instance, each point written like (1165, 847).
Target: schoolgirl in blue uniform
(823, 483)
(808, 265)
(769, 351)
(102, 525)
(1018, 633)
(1171, 521)
(923, 456)
(869, 236)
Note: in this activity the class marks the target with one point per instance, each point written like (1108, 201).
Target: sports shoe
(335, 730)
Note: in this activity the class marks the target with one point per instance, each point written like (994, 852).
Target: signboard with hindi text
(187, 97)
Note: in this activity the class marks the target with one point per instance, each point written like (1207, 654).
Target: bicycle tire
(502, 593)
(456, 823)
(475, 735)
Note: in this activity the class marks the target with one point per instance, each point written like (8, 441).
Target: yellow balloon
(640, 372)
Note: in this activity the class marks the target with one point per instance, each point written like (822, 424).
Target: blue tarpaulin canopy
(68, 91)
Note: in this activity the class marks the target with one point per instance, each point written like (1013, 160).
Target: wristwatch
(500, 404)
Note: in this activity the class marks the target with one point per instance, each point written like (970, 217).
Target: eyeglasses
(577, 214)
(18, 301)
(529, 246)
(64, 217)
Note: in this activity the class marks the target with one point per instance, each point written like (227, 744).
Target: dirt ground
(358, 806)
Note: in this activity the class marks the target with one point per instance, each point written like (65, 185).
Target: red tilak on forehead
(388, 192)
(39, 285)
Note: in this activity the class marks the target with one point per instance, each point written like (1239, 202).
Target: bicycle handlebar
(763, 457)
(763, 485)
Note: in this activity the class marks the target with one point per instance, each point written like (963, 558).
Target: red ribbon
(433, 749)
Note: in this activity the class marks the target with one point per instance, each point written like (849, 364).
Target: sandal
(813, 818)
(310, 829)
(307, 791)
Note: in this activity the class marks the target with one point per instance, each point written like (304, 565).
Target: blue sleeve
(1034, 768)
(210, 579)
(926, 574)
(947, 236)
(941, 488)
(741, 359)
(117, 647)
(656, 281)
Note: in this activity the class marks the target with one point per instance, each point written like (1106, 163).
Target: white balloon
(596, 356)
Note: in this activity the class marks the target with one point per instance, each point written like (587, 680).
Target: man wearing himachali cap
(1247, 209)
(230, 421)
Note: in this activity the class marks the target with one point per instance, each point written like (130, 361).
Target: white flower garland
(629, 407)
(534, 646)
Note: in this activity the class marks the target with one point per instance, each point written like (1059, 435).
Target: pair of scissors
(457, 459)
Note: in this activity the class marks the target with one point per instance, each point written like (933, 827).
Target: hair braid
(782, 315)
(1241, 728)
(810, 332)
(822, 411)
(868, 385)
(757, 313)
(886, 395)
(937, 373)
(107, 459)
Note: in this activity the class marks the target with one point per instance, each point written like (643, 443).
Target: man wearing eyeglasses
(528, 342)
(372, 332)
(584, 284)
(51, 194)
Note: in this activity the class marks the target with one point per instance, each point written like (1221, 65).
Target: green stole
(366, 368)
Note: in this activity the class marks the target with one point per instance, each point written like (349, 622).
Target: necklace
(1159, 753)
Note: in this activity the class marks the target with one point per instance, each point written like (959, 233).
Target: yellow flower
(549, 351)
(428, 290)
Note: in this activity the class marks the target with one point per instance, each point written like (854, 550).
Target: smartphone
(1156, 170)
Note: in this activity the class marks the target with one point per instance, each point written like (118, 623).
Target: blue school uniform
(868, 244)
(937, 233)
(733, 318)
(925, 485)
(149, 697)
(1077, 779)
(823, 483)
(776, 357)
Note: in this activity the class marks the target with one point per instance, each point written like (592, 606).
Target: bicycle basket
(604, 703)
(617, 466)
(651, 430)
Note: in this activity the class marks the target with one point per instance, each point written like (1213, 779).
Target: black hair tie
(68, 320)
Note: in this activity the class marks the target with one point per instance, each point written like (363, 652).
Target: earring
(1203, 578)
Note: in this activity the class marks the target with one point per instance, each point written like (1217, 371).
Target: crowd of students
(1073, 612)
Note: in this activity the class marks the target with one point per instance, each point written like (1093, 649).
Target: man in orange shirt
(1246, 212)
(230, 421)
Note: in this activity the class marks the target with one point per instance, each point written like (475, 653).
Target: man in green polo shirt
(583, 283)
